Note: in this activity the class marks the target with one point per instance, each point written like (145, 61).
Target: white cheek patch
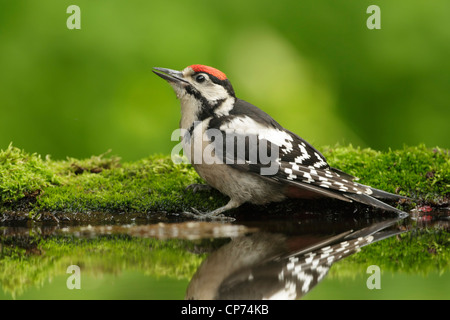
(212, 92)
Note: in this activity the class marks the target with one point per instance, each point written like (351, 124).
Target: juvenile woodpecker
(267, 163)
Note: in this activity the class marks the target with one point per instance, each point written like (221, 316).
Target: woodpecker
(212, 117)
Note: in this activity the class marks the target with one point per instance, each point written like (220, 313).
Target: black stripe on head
(197, 95)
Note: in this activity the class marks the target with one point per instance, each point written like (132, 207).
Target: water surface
(305, 255)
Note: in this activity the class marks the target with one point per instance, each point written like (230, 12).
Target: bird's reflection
(266, 265)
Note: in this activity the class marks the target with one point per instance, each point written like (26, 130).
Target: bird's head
(202, 83)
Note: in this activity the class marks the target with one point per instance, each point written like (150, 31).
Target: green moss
(418, 172)
(105, 184)
(23, 174)
(155, 184)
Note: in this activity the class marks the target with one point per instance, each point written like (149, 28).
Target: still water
(297, 256)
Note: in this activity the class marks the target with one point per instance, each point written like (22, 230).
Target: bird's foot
(195, 187)
(209, 216)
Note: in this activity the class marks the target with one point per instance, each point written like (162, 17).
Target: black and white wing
(262, 146)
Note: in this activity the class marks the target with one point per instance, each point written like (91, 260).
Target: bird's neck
(193, 109)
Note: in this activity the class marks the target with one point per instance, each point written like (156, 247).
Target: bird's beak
(170, 75)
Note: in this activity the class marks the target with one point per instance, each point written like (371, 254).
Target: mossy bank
(36, 187)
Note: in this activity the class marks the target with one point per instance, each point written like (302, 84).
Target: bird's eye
(200, 78)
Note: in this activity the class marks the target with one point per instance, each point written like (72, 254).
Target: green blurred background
(313, 65)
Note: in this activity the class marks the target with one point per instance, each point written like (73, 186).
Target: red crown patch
(210, 70)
